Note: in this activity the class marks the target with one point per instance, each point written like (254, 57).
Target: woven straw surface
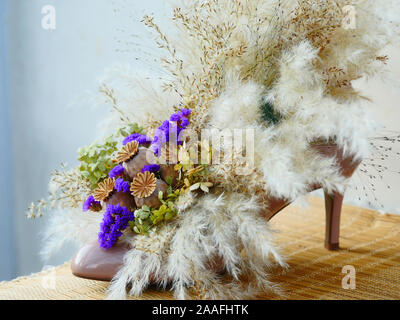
(370, 242)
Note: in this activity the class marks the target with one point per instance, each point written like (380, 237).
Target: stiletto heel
(333, 208)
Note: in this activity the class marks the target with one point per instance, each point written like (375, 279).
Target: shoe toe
(95, 263)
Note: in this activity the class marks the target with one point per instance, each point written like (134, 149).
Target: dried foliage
(68, 190)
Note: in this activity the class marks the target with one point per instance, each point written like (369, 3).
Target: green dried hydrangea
(146, 217)
(96, 159)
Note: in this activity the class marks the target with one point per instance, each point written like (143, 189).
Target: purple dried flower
(117, 171)
(151, 168)
(115, 220)
(140, 138)
(130, 138)
(165, 125)
(156, 149)
(121, 185)
(175, 117)
(143, 139)
(91, 204)
(172, 128)
(186, 112)
(184, 123)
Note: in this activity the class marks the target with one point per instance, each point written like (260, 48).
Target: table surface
(370, 243)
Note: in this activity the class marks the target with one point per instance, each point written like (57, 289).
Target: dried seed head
(104, 190)
(127, 152)
(143, 185)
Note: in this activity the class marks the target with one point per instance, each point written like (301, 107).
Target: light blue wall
(49, 75)
(50, 70)
(7, 234)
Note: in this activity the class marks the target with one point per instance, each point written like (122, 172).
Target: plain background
(46, 116)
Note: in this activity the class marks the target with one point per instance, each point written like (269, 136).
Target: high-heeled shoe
(93, 262)
(333, 202)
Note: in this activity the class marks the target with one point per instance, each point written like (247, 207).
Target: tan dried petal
(127, 152)
(195, 170)
(104, 189)
(143, 185)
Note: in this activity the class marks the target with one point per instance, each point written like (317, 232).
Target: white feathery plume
(216, 226)
(69, 226)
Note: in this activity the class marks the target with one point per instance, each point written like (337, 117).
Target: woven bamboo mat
(370, 242)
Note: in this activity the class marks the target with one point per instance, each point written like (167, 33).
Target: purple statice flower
(143, 139)
(130, 138)
(121, 185)
(90, 203)
(177, 123)
(186, 112)
(161, 136)
(117, 171)
(140, 138)
(175, 117)
(156, 145)
(178, 116)
(184, 123)
(115, 220)
(151, 168)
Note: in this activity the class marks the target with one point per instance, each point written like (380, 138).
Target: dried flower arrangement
(283, 69)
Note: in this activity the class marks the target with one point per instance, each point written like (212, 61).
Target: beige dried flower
(201, 185)
(143, 185)
(104, 190)
(127, 152)
(194, 170)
